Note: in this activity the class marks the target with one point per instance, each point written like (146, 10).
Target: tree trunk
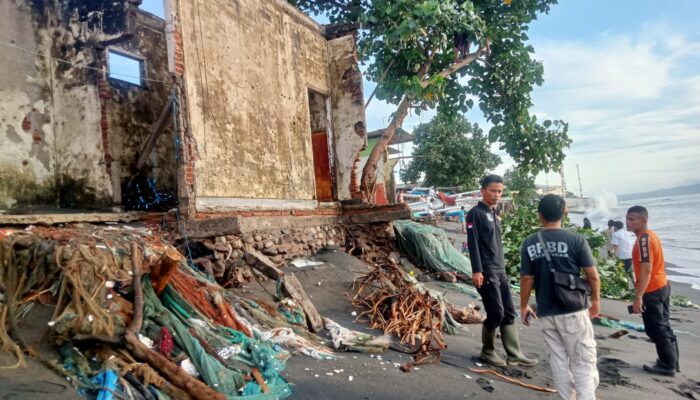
(369, 173)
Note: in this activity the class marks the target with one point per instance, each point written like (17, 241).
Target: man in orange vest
(653, 292)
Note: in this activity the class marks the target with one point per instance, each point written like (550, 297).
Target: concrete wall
(56, 147)
(248, 66)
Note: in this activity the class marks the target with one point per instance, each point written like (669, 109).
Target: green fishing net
(430, 247)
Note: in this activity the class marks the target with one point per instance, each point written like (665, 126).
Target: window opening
(125, 68)
(154, 7)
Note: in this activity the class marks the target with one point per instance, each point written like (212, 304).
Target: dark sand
(374, 378)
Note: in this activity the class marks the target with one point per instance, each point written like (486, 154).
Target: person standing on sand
(653, 292)
(622, 247)
(489, 276)
(567, 329)
(608, 239)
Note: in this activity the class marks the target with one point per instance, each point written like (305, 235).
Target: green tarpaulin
(430, 247)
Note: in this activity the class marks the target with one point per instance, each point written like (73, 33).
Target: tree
(450, 152)
(522, 183)
(408, 47)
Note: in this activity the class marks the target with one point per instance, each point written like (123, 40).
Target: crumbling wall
(27, 164)
(349, 127)
(248, 67)
(56, 148)
(132, 110)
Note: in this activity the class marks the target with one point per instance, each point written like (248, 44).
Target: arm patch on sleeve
(644, 253)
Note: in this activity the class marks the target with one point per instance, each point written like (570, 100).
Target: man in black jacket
(489, 276)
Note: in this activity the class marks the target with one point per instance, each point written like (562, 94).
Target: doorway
(320, 140)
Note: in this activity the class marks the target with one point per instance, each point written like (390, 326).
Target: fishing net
(86, 273)
(430, 247)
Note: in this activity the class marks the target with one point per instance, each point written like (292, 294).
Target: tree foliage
(521, 185)
(408, 48)
(450, 152)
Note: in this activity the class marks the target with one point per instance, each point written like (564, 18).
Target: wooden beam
(292, 287)
(156, 130)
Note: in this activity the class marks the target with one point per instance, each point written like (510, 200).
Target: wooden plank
(292, 287)
(155, 133)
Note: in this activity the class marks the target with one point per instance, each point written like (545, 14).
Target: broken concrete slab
(65, 218)
(262, 263)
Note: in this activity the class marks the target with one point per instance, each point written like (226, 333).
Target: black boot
(667, 363)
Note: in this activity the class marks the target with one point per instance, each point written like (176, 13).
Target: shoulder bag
(570, 291)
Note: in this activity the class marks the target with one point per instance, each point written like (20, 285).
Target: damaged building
(233, 105)
(71, 132)
(245, 117)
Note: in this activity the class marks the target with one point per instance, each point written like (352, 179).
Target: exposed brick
(26, 124)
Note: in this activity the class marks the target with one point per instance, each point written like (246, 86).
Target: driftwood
(171, 371)
(163, 270)
(398, 308)
(514, 381)
(292, 287)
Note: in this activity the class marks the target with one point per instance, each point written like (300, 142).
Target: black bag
(570, 291)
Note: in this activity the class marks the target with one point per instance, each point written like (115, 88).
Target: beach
(620, 360)
(364, 376)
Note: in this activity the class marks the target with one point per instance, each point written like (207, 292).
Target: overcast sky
(626, 75)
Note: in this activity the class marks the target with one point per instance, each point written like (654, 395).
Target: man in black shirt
(566, 326)
(489, 276)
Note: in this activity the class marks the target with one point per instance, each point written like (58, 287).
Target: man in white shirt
(622, 243)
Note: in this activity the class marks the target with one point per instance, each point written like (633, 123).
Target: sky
(625, 74)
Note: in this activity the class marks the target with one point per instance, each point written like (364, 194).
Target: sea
(675, 219)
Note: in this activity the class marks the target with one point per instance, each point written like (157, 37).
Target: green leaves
(515, 228)
(520, 185)
(421, 35)
(450, 152)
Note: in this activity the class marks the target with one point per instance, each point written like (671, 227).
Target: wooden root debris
(466, 315)
(514, 381)
(396, 306)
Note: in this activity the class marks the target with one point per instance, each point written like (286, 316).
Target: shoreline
(682, 288)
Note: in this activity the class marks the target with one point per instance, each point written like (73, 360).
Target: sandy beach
(362, 376)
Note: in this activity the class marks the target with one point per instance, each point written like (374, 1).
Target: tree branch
(381, 79)
(462, 63)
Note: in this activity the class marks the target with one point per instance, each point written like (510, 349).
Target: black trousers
(656, 316)
(498, 303)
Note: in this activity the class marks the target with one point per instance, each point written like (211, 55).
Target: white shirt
(624, 242)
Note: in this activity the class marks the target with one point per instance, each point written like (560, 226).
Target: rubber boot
(667, 363)
(509, 335)
(488, 349)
